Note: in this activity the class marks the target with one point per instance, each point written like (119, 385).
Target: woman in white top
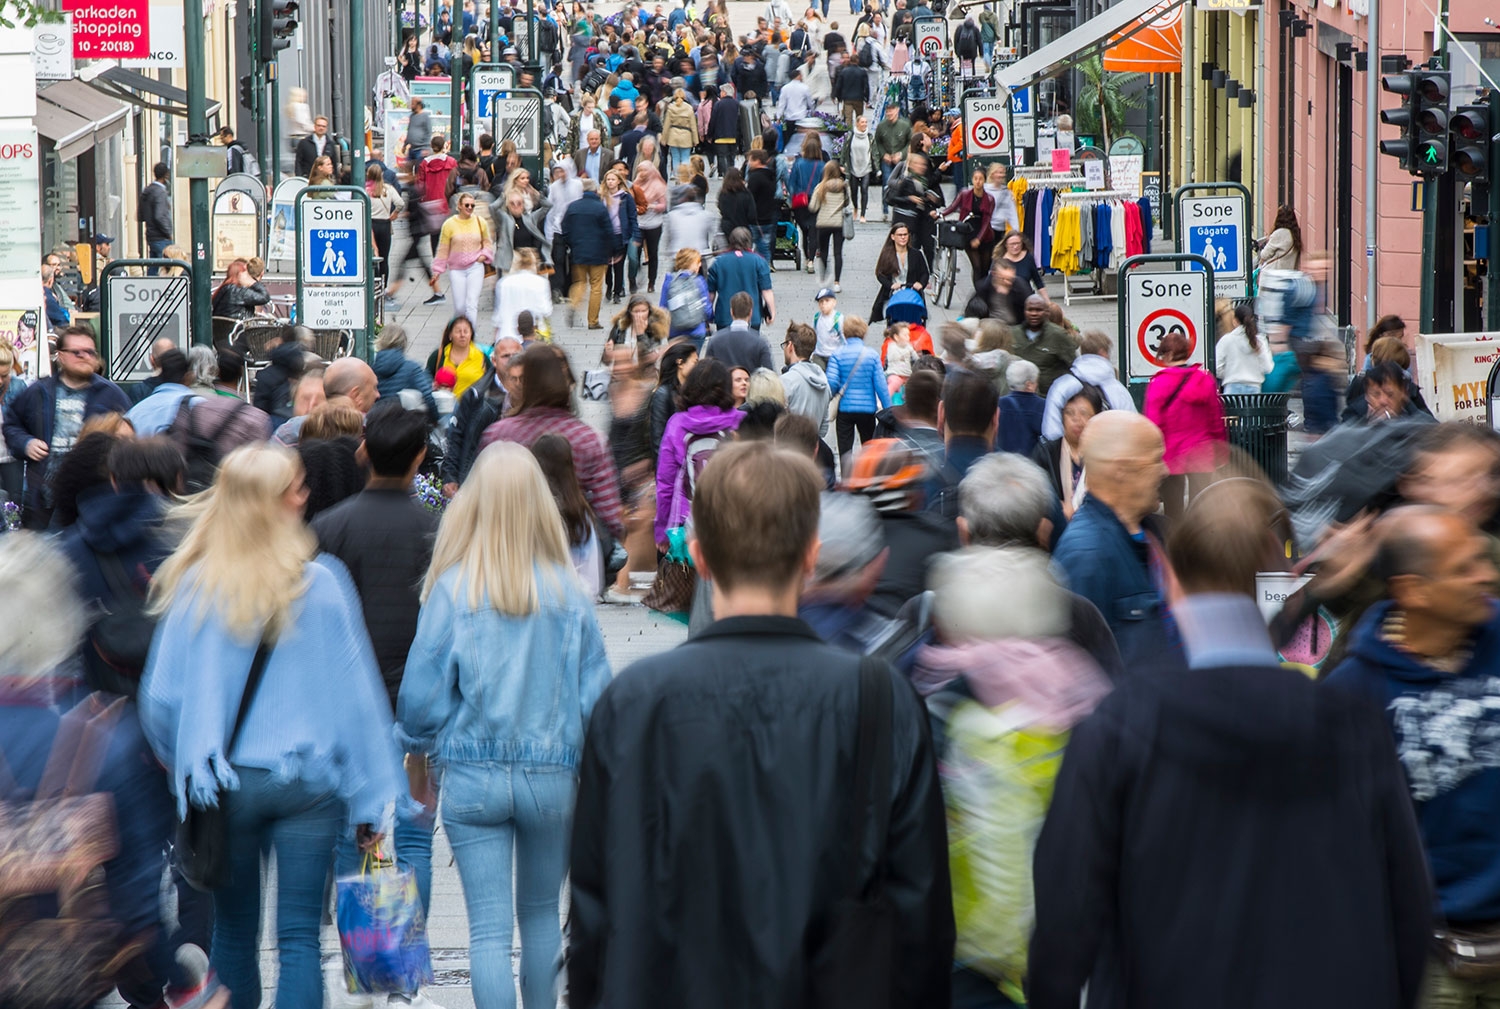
(1282, 248)
(858, 164)
(385, 203)
(1242, 357)
(1004, 218)
(522, 290)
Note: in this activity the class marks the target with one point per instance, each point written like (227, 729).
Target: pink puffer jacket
(1184, 403)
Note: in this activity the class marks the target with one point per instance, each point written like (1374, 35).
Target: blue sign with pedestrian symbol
(1217, 243)
(334, 251)
(1020, 102)
(334, 240)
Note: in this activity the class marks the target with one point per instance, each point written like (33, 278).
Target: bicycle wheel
(950, 278)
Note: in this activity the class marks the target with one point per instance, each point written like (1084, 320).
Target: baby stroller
(907, 305)
(786, 243)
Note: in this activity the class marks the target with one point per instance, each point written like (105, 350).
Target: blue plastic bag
(382, 931)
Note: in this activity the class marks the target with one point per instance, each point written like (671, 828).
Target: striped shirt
(591, 459)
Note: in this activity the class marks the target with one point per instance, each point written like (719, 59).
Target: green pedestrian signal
(1431, 156)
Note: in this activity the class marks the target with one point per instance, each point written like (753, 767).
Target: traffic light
(1430, 114)
(278, 23)
(1399, 84)
(247, 91)
(1470, 129)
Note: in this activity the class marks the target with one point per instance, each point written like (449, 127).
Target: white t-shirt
(830, 331)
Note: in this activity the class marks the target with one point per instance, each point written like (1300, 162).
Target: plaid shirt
(591, 459)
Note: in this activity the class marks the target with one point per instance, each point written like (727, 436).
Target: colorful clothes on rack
(1147, 224)
(1018, 187)
(1103, 243)
(1134, 245)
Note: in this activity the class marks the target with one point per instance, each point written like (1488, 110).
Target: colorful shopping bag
(382, 930)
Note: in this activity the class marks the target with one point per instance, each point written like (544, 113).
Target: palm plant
(1104, 100)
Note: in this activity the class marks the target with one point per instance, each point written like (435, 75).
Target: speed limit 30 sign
(984, 125)
(1159, 304)
(931, 37)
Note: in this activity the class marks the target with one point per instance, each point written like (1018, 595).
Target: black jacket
(663, 405)
(481, 405)
(385, 540)
(307, 153)
(851, 83)
(737, 210)
(749, 77)
(589, 233)
(1237, 833)
(966, 40)
(917, 272)
(31, 414)
(273, 385)
(724, 121)
(913, 539)
(231, 301)
(761, 182)
(709, 833)
(155, 211)
(740, 348)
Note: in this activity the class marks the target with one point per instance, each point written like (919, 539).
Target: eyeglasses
(466, 206)
(77, 352)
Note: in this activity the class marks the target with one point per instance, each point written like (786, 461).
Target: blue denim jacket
(1100, 562)
(483, 686)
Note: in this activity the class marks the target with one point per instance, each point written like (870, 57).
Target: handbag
(1471, 953)
(596, 384)
(202, 842)
(848, 222)
(855, 944)
(672, 592)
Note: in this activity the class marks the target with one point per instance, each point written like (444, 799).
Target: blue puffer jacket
(395, 371)
(855, 371)
(1107, 566)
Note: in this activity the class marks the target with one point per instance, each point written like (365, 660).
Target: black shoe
(436, 299)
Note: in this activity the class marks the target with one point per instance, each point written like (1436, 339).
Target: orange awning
(1153, 49)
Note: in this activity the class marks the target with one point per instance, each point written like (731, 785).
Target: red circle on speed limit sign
(932, 45)
(1149, 334)
(986, 134)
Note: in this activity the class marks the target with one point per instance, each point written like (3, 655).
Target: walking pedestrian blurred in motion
(833, 766)
(1189, 799)
(1183, 401)
(465, 247)
(707, 419)
(1062, 457)
(255, 636)
(507, 664)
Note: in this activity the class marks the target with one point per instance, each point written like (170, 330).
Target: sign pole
(357, 94)
(197, 127)
(334, 286)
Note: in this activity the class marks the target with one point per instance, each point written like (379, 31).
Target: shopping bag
(382, 930)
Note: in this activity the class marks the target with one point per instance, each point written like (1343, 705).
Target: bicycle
(952, 236)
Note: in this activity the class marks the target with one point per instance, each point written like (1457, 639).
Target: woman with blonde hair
(506, 666)
(255, 636)
(321, 173)
(765, 387)
(523, 290)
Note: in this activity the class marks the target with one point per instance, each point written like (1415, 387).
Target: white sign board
(1214, 227)
(931, 38)
(486, 85)
(168, 31)
(519, 119)
(1093, 174)
(984, 126)
(1023, 131)
(333, 308)
(20, 206)
(143, 310)
(335, 241)
(1452, 369)
(52, 50)
(1160, 303)
(1125, 173)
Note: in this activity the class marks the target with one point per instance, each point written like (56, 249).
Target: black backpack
(201, 449)
(121, 634)
(867, 55)
(546, 36)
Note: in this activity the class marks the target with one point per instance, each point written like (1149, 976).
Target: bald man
(349, 378)
(146, 386)
(1106, 549)
(1430, 658)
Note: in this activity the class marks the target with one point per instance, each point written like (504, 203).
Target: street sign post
(1217, 227)
(333, 260)
(138, 311)
(1159, 302)
(487, 82)
(931, 37)
(518, 117)
(984, 127)
(1022, 119)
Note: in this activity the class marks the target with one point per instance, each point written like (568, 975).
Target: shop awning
(1122, 21)
(139, 89)
(1155, 49)
(75, 117)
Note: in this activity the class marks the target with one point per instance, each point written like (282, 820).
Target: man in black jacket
(315, 145)
(43, 423)
(1233, 791)
(739, 346)
(715, 831)
(385, 539)
(851, 85)
(273, 385)
(155, 211)
(760, 180)
(481, 405)
(749, 76)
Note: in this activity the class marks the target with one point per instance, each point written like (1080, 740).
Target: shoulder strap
(252, 683)
(872, 762)
(1180, 386)
(115, 574)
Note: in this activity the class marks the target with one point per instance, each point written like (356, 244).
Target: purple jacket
(674, 501)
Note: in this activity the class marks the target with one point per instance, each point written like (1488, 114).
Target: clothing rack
(1037, 171)
(1095, 277)
(1054, 181)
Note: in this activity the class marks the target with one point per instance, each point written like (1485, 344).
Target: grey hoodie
(807, 393)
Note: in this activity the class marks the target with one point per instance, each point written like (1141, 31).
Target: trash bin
(1256, 425)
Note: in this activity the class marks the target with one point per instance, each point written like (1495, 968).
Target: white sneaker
(838, 288)
(809, 266)
(417, 1001)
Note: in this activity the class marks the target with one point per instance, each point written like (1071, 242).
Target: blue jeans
(503, 819)
(1240, 388)
(300, 824)
(678, 156)
(763, 234)
(155, 248)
